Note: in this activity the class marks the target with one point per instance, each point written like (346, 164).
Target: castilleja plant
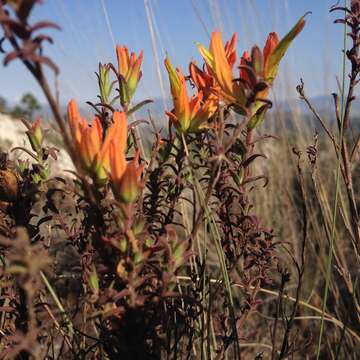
(257, 71)
(131, 231)
(188, 114)
(105, 84)
(129, 73)
(36, 136)
(220, 61)
(125, 177)
(91, 144)
(204, 80)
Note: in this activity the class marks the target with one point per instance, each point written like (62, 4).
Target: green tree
(27, 107)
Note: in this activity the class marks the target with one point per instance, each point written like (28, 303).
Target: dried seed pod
(9, 186)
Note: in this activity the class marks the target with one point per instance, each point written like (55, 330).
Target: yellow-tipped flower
(274, 50)
(187, 115)
(125, 177)
(220, 61)
(129, 72)
(256, 66)
(105, 84)
(89, 144)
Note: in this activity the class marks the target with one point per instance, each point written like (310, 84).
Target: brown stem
(300, 89)
(299, 266)
(346, 165)
(354, 215)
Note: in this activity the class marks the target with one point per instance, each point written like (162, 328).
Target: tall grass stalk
(327, 317)
(108, 23)
(150, 21)
(58, 303)
(337, 190)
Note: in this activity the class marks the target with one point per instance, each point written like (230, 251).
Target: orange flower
(203, 81)
(230, 50)
(259, 62)
(116, 133)
(265, 65)
(253, 67)
(274, 50)
(271, 43)
(89, 143)
(129, 71)
(125, 177)
(187, 115)
(220, 61)
(76, 122)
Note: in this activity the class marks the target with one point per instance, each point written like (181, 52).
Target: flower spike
(129, 73)
(90, 144)
(125, 177)
(188, 114)
(220, 61)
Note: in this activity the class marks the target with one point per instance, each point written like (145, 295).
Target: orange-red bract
(220, 61)
(188, 114)
(125, 177)
(90, 144)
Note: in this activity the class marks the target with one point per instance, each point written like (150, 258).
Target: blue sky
(89, 28)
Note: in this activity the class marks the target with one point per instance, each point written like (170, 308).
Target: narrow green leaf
(173, 77)
(257, 60)
(138, 106)
(281, 48)
(94, 281)
(58, 303)
(258, 117)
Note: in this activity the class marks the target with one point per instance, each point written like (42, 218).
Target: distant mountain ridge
(323, 104)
